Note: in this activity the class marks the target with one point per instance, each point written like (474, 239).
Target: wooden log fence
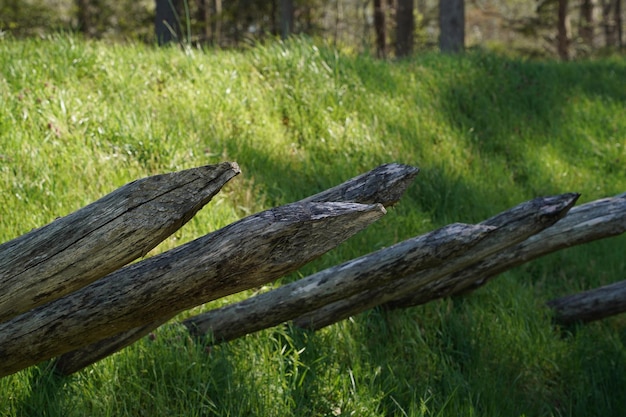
(65, 292)
(385, 185)
(94, 241)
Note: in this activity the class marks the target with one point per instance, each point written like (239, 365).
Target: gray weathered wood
(513, 226)
(242, 255)
(591, 221)
(332, 284)
(94, 241)
(587, 306)
(384, 184)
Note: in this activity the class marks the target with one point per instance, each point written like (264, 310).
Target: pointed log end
(385, 184)
(556, 207)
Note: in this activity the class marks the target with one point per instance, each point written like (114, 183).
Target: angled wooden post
(77, 249)
(512, 226)
(240, 256)
(591, 221)
(384, 184)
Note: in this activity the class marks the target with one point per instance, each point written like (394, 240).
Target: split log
(591, 305)
(75, 250)
(585, 223)
(512, 226)
(292, 300)
(240, 256)
(385, 184)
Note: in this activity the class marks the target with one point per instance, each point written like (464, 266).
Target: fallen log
(385, 184)
(243, 255)
(512, 226)
(585, 223)
(588, 306)
(333, 284)
(75, 250)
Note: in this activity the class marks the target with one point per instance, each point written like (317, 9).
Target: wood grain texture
(585, 223)
(512, 227)
(332, 284)
(77, 249)
(588, 306)
(384, 184)
(242, 255)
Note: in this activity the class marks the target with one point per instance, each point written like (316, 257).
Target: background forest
(564, 28)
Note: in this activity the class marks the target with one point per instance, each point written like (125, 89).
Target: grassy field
(79, 119)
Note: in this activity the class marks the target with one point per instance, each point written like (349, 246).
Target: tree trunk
(562, 35)
(592, 221)
(585, 30)
(286, 18)
(451, 26)
(292, 300)
(610, 32)
(243, 255)
(512, 226)
(385, 184)
(592, 305)
(77, 249)
(618, 24)
(166, 23)
(380, 29)
(84, 17)
(405, 27)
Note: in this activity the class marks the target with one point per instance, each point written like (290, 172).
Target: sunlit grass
(79, 119)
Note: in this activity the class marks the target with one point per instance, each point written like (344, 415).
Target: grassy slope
(79, 119)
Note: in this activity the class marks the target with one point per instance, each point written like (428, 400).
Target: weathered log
(242, 255)
(292, 300)
(513, 226)
(94, 241)
(591, 221)
(384, 184)
(587, 306)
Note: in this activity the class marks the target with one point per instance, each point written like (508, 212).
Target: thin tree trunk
(166, 24)
(405, 27)
(77, 249)
(562, 35)
(451, 26)
(286, 18)
(586, 22)
(380, 29)
(385, 184)
(618, 23)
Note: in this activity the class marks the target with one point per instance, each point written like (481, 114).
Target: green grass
(79, 119)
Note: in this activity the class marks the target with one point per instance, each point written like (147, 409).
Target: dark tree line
(386, 28)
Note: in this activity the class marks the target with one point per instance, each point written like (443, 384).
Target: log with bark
(289, 301)
(417, 261)
(585, 223)
(75, 250)
(512, 227)
(587, 306)
(245, 254)
(385, 184)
